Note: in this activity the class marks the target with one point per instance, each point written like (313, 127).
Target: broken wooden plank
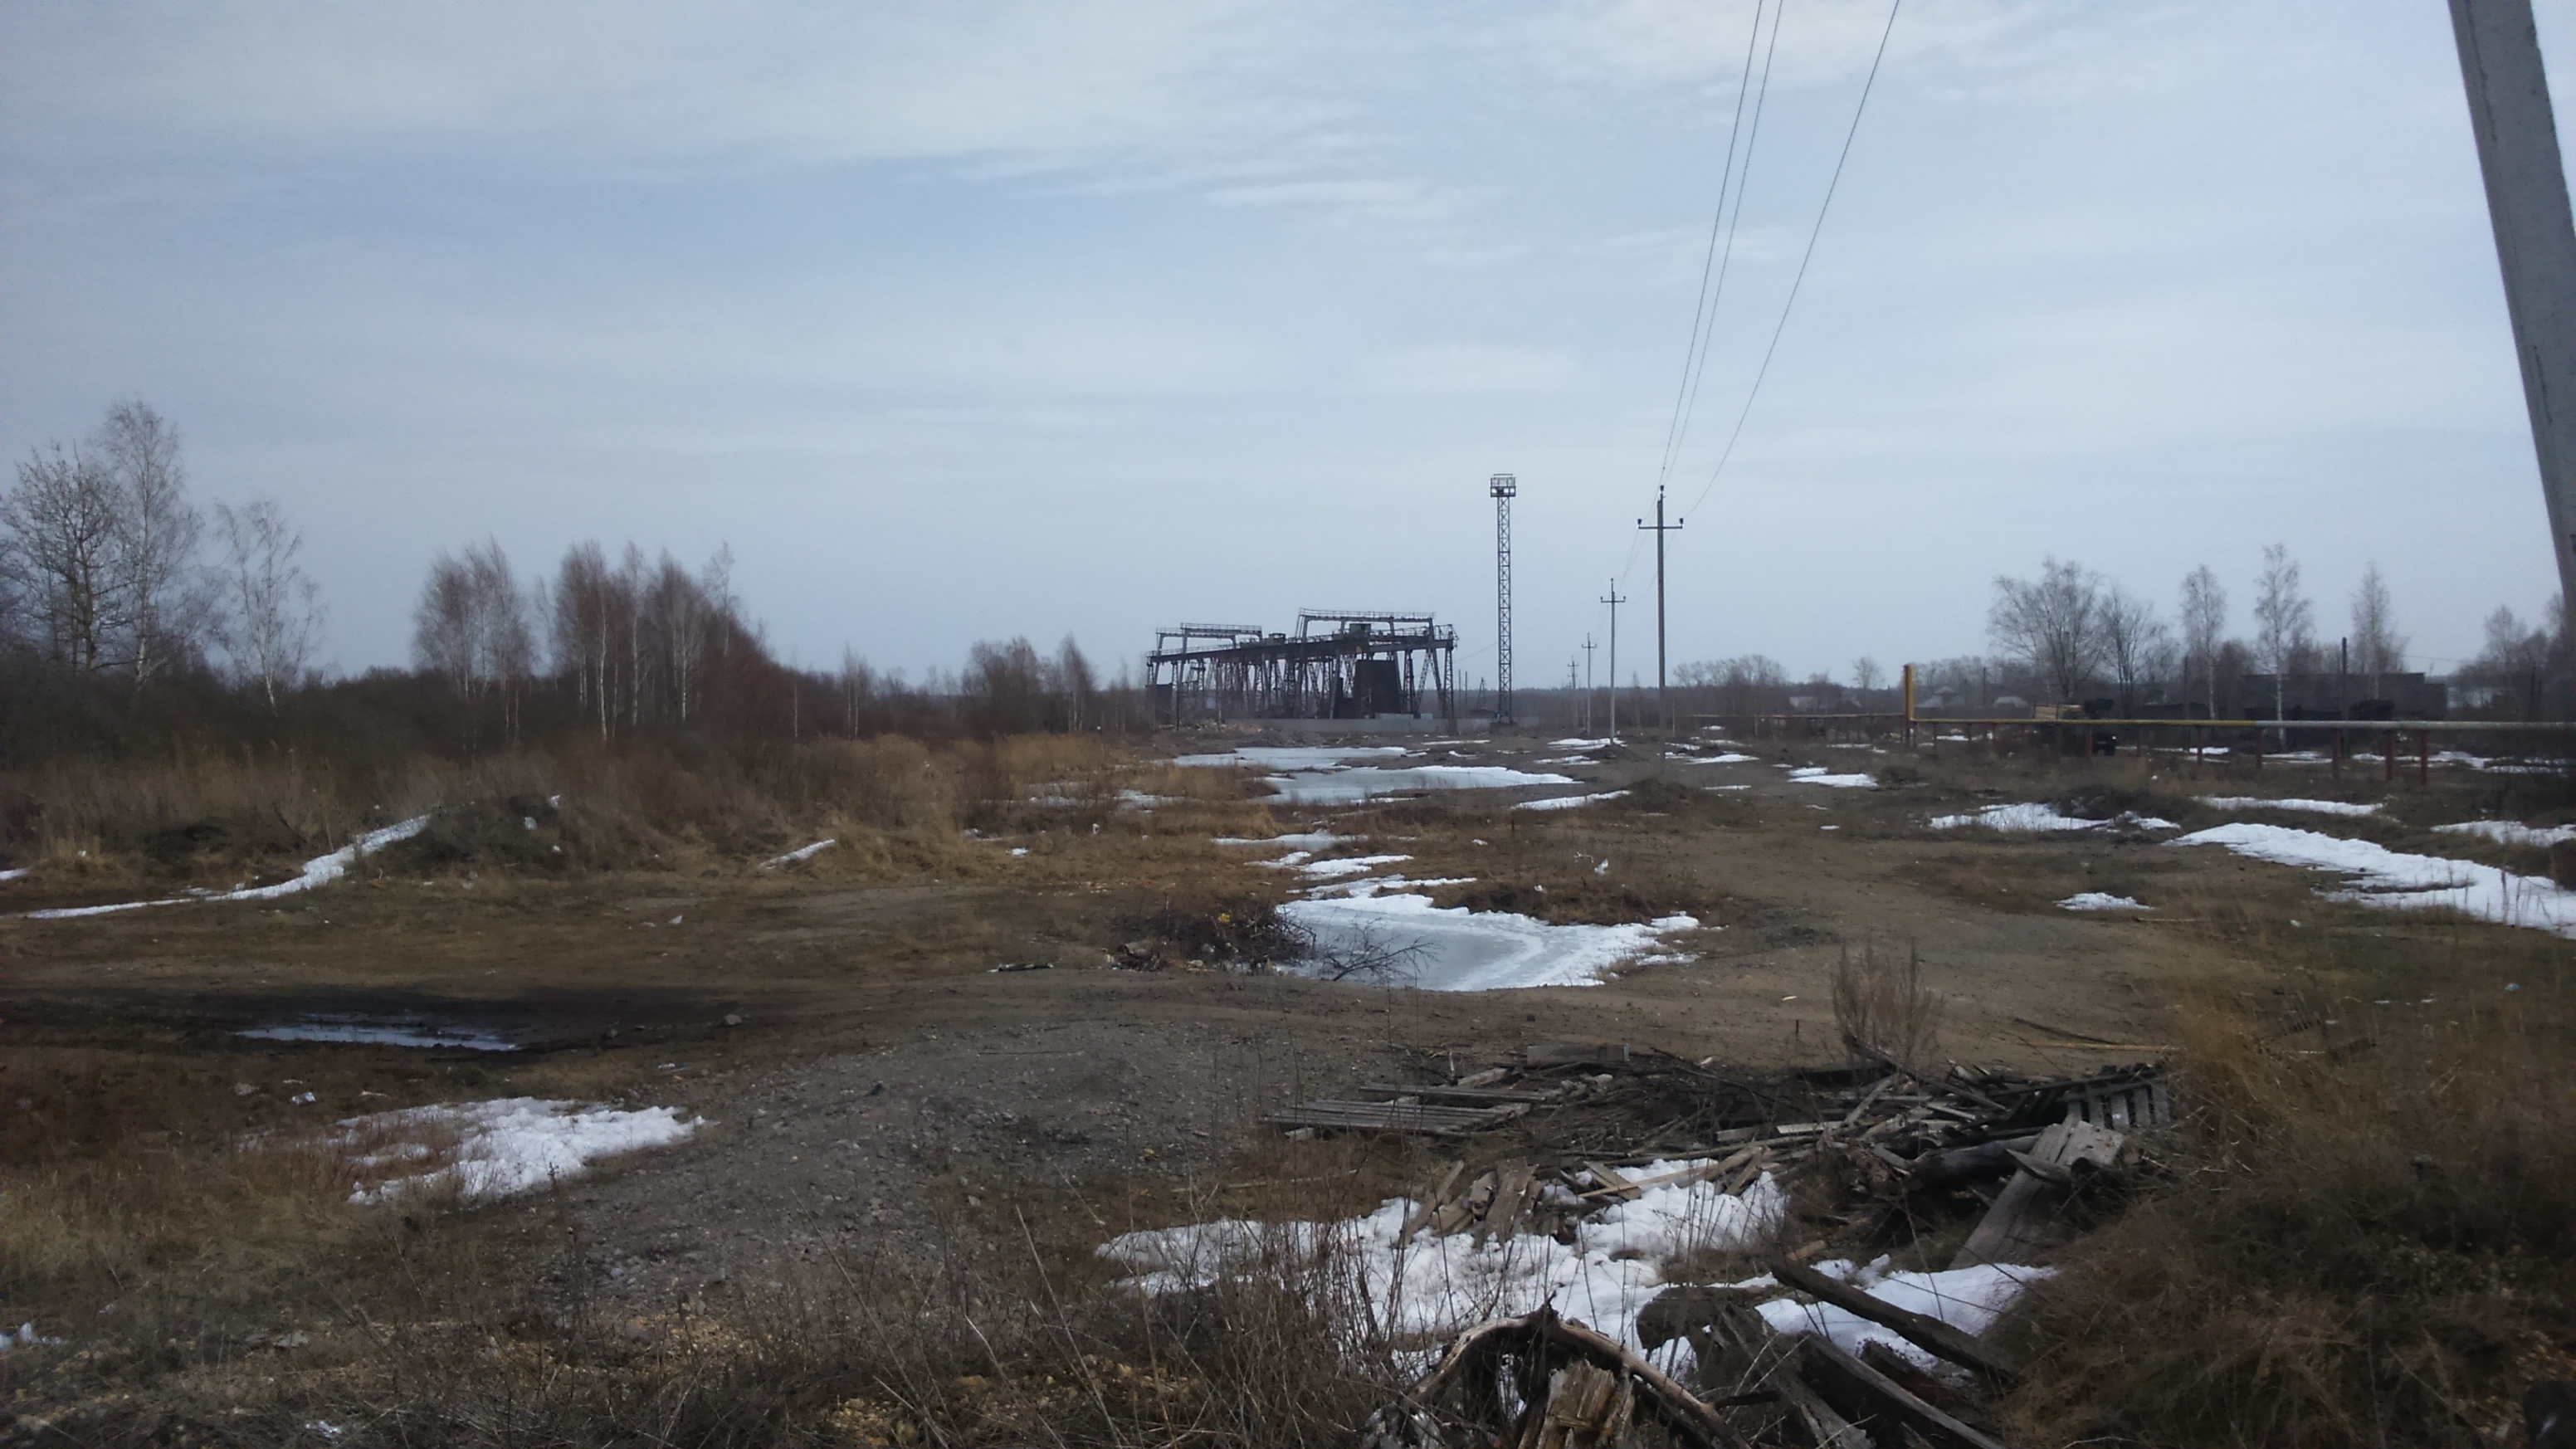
(1939, 1339)
(1512, 1183)
(1608, 1182)
(1567, 1053)
(2011, 1228)
(1462, 1094)
(1879, 1404)
(1433, 1199)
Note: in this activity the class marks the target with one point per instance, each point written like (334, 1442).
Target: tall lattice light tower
(1504, 488)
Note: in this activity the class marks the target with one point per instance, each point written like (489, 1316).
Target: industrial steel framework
(1504, 488)
(1340, 664)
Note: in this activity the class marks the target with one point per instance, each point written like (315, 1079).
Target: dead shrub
(1882, 1007)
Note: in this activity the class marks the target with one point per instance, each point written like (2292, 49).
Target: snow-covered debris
(1428, 1287)
(793, 856)
(512, 1145)
(321, 870)
(2312, 807)
(2377, 876)
(2512, 832)
(1568, 802)
(1463, 950)
(2101, 901)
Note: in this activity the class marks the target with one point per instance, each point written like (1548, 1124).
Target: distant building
(2342, 696)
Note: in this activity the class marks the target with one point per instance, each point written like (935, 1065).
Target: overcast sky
(962, 321)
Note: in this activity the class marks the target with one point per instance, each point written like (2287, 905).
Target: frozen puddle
(2311, 807)
(321, 870)
(382, 1031)
(1326, 776)
(2377, 876)
(498, 1148)
(1463, 950)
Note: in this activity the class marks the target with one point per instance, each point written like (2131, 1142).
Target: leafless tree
(858, 688)
(1004, 689)
(2136, 645)
(63, 527)
(1866, 675)
(169, 607)
(271, 617)
(1075, 685)
(2204, 628)
(679, 619)
(2052, 624)
(471, 626)
(2285, 626)
(2377, 647)
(593, 609)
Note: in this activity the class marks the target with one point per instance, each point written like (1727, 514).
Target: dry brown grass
(1882, 1008)
(2347, 1248)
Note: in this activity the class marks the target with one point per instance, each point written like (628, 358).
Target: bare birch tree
(63, 528)
(2052, 624)
(1076, 684)
(2204, 629)
(2285, 625)
(2136, 644)
(271, 618)
(2377, 647)
(168, 606)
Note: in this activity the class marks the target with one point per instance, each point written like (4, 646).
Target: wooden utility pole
(1663, 707)
(2535, 239)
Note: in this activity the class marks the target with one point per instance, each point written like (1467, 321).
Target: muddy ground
(866, 1078)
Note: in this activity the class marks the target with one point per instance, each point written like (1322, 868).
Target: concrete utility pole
(1660, 528)
(1504, 488)
(2535, 239)
(1614, 599)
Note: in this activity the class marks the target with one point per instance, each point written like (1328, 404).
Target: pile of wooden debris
(1888, 1160)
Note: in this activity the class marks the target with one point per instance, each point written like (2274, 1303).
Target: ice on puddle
(321, 870)
(503, 1147)
(2378, 876)
(2312, 807)
(1429, 1286)
(2101, 901)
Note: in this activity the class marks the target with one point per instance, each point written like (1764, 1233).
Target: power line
(1808, 256)
(1704, 309)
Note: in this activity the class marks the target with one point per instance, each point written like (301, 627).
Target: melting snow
(2101, 901)
(1429, 1287)
(1819, 775)
(793, 856)
(2313, 807)
(1313, 840)
(1347, 865)
(20, 872)
(513, 1145)
(1298, 757)
(1349, 787)
(1465, 950)
(2512, 832)
(2378, 876)
(2040, 816)
(1969, 1299)
(321, 870)
(1568, 802)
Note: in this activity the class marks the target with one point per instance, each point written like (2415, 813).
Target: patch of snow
(1291, 757)
(1579, 744)
(1289, 861)
(1374, 885)
(1465, 950)
(2502, 832)
(26, 1337)
(2101, 901)
(1729, 758)
(793, 856)
(1968, 1299)
(1819, 775)
(2312, 807)
(504, 1147)
(2377, 876)
(321, 870)
(1570, 760)
(1347, 865)
(1429, 1287)
(19, 874)
(1568, 802)
(2039, 816)
(1351, 786)
(378, 1031)
(1312, 840)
